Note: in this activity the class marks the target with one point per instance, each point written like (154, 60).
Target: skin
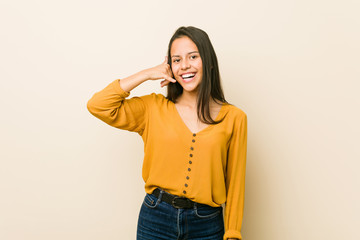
(185, 58)
(161, 71)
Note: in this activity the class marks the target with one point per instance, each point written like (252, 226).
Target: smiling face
(186, 63)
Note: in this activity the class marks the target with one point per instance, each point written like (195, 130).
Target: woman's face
(186, 63)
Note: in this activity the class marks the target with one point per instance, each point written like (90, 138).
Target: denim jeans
(159, 220)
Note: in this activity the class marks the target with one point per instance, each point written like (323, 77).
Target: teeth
(189, 75)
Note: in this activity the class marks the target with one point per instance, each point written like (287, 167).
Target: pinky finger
(171, 79)
(166, 83)
(162, 83)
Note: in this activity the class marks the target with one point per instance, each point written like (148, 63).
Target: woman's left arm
(235, 179)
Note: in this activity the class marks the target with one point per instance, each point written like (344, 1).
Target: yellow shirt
(210, 162)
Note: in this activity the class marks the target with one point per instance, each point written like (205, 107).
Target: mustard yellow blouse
(207, 167)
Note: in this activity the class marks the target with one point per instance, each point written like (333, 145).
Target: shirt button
(190, 162)
(191, 155)
(187, 177)
(189, 169)
(191, 148)
(186, 185)
(193, 140)
(194, 134)
(184, 192)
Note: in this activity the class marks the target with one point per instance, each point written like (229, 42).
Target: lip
(187, 73)
(188, 79)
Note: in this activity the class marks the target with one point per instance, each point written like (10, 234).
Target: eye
(176, 60)
(193, 57)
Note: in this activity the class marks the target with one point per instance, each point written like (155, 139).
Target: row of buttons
(190, 162)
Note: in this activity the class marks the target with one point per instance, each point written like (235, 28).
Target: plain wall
(291, 65)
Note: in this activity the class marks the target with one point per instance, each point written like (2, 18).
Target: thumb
(166, 60)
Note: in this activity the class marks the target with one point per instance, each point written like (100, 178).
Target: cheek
(199, 65)
(199, 68)
(174, 69)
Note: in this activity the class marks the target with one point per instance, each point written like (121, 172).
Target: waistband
(176, 201)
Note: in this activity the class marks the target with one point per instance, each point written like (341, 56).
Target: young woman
(194, 140)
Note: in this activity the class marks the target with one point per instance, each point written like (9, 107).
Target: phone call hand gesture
(161, 71)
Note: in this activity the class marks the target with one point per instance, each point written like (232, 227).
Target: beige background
(291, 65)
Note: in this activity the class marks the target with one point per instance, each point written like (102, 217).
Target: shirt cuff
(118, 89)
(232, 234)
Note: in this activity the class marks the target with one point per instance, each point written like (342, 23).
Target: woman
(195, 143)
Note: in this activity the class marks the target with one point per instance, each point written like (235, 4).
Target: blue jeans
(159, 220)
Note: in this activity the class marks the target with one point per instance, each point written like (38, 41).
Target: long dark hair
(210, 86)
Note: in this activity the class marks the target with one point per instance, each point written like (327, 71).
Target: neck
(188, 99)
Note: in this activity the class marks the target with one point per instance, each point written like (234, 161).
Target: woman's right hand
(161, 71)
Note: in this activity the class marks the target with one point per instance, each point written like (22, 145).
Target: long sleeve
(235, 180)
(110, 106)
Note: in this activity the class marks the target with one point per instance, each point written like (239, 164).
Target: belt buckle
(174, 204)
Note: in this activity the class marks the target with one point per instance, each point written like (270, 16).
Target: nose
(185, 64)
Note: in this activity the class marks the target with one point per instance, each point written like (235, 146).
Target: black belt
(176, 201)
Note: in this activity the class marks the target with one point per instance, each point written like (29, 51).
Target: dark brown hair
(210, 86)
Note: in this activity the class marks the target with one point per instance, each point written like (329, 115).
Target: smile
(188, 77)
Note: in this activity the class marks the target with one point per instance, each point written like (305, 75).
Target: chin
(190, 89)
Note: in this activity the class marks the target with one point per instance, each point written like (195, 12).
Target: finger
(170, 73)
(170, 79)
(164, 83)
(166, 60)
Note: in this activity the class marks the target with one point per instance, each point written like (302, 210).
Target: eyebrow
(187, 54)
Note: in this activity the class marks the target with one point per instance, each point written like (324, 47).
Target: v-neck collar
(178, 116)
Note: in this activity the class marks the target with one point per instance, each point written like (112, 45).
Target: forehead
(182, 45)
